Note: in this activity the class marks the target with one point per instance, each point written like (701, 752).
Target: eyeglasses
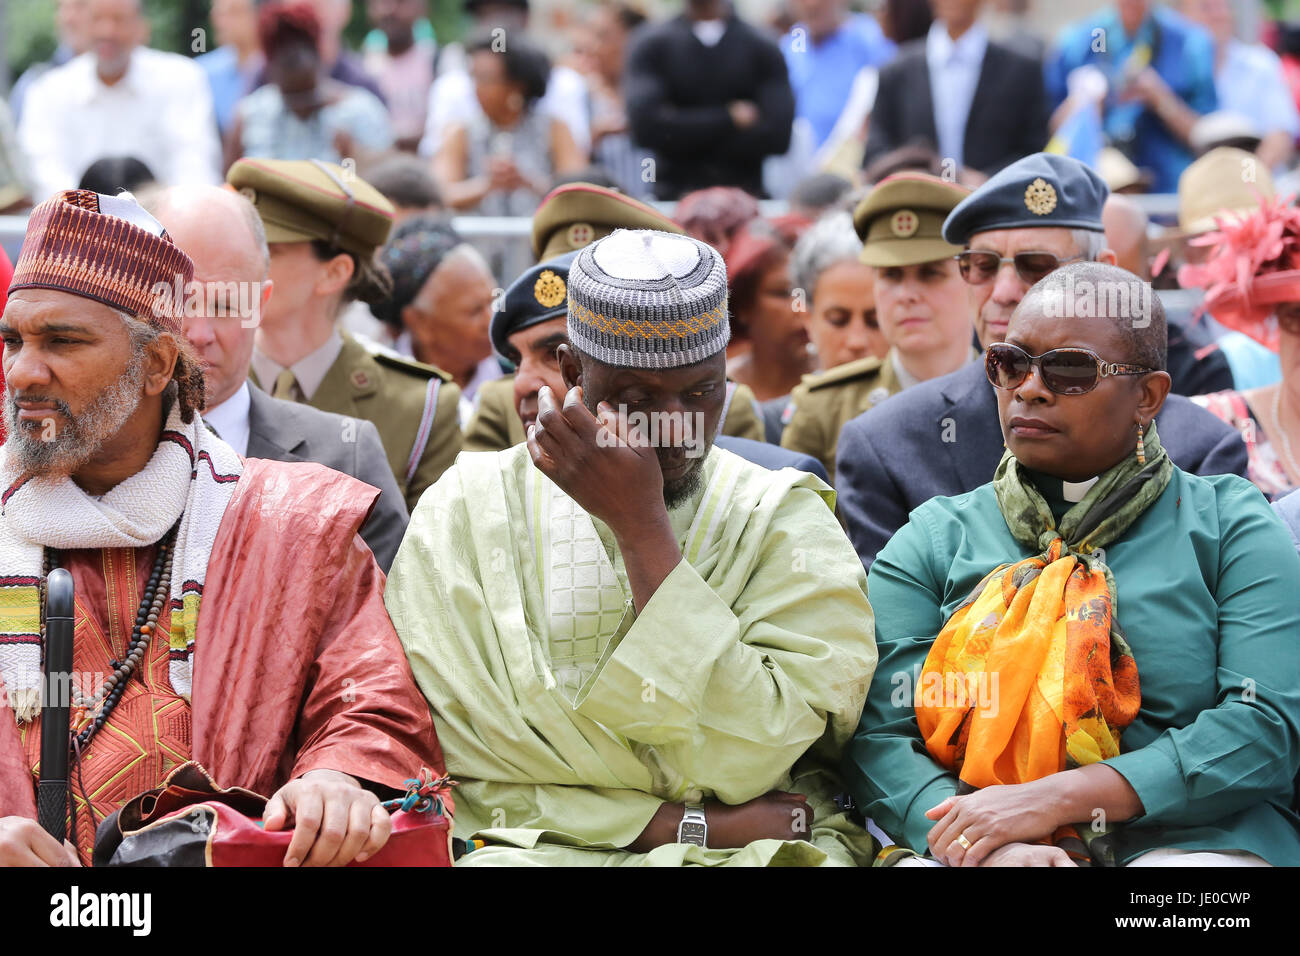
(1064, 371)
(978, 268)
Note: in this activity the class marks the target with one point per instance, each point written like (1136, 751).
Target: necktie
(286, 386)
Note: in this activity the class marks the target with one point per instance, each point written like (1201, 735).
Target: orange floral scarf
(1031, 674)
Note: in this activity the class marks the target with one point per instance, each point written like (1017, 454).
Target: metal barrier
(1160, 207)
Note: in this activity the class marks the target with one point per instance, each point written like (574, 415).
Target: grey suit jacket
(288, 431)
(942, 437)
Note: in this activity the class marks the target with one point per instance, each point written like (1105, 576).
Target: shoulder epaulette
(847, 372)
(390, 358)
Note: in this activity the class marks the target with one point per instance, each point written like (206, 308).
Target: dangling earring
(1141, 449)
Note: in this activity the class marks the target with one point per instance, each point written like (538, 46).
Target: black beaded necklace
(156, 593)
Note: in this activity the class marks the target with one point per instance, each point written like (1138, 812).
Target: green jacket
(414, 406)
(822, 403)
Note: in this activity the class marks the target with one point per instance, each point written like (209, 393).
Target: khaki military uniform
(577, 214)
(413, 405)
(900, 223)
(822, 403)
(496, 425)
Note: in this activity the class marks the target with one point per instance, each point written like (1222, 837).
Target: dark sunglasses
(1064, 371)
(978, 268)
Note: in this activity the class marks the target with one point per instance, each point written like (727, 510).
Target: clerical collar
(1074, 491)
(1059, 495)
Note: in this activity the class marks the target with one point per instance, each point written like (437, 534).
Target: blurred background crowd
(757, 126)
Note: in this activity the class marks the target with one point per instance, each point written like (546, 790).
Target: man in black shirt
(708, 94)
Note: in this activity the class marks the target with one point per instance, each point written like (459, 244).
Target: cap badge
(549, 289)
(904, 224)
(1040, 197)
(580, 234)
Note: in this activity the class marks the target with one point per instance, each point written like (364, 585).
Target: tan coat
(823, 402)
(414, 407)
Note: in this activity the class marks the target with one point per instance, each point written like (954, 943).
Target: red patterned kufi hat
(105, 248)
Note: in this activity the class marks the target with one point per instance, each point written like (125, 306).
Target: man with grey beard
(172, 541)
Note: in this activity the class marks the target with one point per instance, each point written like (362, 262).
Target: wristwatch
(694, 827)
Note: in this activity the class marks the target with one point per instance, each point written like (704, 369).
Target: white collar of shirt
(969, 48)
(309, 371)
(709, 32)
(1074, 491)
(230, 419)
(132, 82)
(905, 378)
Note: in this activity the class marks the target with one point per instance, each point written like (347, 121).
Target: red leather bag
(191, 821)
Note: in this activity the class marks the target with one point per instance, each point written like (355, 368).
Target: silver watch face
(692, 832)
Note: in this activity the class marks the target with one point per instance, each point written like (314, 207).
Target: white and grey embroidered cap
(646, 299)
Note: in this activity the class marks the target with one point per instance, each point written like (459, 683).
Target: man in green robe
(638, 649)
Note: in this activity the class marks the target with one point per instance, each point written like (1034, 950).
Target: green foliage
(29, 34)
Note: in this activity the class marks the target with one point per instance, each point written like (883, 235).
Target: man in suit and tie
(221, 231)
(942, 437)
(972, 101)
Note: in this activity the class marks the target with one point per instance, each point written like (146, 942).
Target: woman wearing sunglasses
(1252, 283)
(921, 306)
(1097, 649)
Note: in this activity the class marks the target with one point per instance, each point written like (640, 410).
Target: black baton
(52, 791)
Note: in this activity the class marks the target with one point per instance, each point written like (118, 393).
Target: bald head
(194, 211)
(221, 231)
(1096, 291)
(1125, 222)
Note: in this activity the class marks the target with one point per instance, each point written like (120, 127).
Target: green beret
(577, 214)
(900, 222)
(304, 199)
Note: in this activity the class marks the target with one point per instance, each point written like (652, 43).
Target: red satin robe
(296, 665)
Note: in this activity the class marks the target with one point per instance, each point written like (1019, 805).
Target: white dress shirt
(230, 419)
(954, 72)
(160, 112)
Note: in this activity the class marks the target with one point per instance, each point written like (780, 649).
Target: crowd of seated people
(950, 518)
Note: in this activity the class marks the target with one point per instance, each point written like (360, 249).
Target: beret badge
(1040, 197)
(549, 289)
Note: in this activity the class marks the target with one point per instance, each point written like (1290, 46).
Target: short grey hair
(1088, 243)
(827, 242)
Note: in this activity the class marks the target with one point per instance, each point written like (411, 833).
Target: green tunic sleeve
(890, 773)
(1246, 749)
(732, 696)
